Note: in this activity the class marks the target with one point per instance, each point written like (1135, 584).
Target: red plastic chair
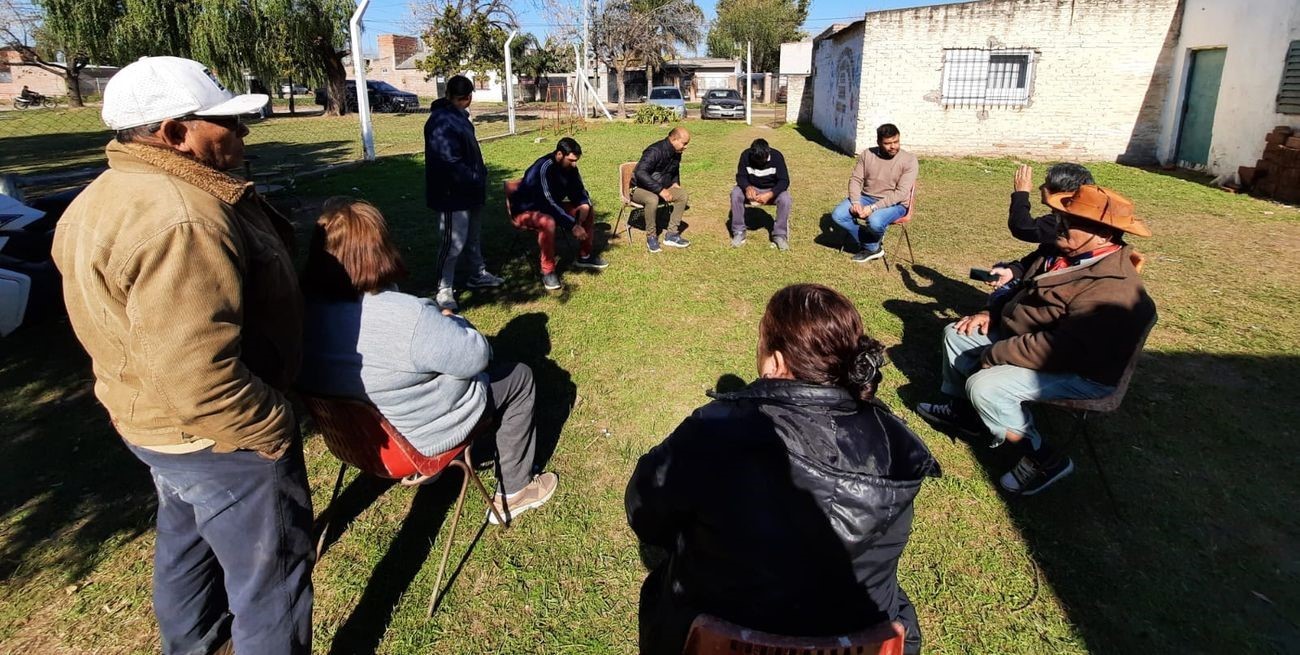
(711, 635)
(361, 437)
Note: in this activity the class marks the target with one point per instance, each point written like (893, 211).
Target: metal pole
(586, 45)
(510, 86)
(356, 29)
(749, 83)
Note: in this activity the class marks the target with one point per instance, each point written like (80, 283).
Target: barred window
(980, 77)
(6, 76)
(1288, 96)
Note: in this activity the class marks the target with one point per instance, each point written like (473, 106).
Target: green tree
(66, 36)
(766, 24)
(465, 34)
(537, 59)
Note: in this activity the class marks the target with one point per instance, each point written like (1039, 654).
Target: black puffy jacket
(455, 177)
(784, 507)
(658, 168)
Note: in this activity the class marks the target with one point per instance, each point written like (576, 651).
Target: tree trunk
(618, 76)
(336, 81)
(73, 83)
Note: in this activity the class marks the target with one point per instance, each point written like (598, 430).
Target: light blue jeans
(1000, 392)
(871, 234)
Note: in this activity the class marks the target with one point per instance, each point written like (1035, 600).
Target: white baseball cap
(153, 89)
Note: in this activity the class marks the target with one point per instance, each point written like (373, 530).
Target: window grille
(979, 77)
(1288, 96)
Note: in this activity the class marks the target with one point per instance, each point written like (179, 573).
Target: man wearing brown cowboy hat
(1067, 331)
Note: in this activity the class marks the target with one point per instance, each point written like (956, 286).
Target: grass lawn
(1204, 557)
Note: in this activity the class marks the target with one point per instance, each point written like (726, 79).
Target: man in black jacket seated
(761, 178)
(658, 178)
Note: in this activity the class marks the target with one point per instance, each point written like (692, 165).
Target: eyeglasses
(232, 123)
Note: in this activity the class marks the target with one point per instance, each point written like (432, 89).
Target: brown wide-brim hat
(1100, 205)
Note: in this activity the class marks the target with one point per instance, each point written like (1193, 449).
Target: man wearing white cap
(179, 283)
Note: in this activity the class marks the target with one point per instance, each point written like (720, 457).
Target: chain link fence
(48, 148)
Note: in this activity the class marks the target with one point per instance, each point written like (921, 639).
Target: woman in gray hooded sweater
(427, 370)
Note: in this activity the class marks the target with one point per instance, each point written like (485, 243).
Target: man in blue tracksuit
(456, 188)
(551, 196)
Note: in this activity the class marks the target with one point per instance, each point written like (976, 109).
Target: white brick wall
(836, 90)
(1100, 78)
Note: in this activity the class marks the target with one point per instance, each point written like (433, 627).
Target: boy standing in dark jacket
(550, 195)
(456, 188)
(761, 178)
(658, 178)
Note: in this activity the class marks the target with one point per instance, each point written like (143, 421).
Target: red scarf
(1058, 263)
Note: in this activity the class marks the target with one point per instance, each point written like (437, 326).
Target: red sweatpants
(544, 225)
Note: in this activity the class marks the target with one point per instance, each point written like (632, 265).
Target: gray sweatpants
(460, 231)
(512, 397)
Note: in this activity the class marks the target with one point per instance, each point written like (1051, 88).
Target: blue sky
(385, 16)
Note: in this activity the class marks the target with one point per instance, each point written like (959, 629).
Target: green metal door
(1198, 108)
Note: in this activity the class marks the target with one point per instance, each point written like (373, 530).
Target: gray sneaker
(737, 239)
(552, 281)
(484, 280)
(446, 299)
(780, 243)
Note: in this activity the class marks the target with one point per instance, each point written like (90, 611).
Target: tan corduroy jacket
(180, 285)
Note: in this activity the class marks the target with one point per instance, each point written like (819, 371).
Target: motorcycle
(34, 100)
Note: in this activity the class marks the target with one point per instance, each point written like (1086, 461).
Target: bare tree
(627, 33)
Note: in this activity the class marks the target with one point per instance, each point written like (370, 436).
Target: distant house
(397, 64)
(1194, 82)
(17, 72)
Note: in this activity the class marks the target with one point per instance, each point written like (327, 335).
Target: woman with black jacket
(784, 507)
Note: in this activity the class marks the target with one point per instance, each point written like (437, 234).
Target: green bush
(654, 114)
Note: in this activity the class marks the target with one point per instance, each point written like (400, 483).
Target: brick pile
(1277, 175)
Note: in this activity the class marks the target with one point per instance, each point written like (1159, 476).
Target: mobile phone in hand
(982, 274)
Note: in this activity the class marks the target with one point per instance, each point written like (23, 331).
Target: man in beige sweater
(180, 284)
(880, 191)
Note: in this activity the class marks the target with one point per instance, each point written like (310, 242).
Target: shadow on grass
(1203, 556)
(527, 340)
(46, 153)
(407, 554)
(68, 486)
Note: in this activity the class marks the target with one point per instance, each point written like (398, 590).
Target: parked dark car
(722, 103)
(384, 97)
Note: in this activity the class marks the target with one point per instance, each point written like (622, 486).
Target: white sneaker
(446, 299)
(484, 280)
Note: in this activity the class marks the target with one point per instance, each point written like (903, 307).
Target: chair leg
(487, 497)
(451, 532)
(619, 220)
(329, 510)
(1101, 472)
(911, 258)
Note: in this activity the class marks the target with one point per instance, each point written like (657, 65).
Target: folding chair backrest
(711, 635)
(1114, 400)
(625, 170)
(911, 206)
(360, 436)
(509, 187)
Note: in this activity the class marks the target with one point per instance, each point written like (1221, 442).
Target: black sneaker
(676, 241)
(1031, 476)
(552, 281)
(865, 255)
(652, 244)
(591, 261)
(956, 416)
